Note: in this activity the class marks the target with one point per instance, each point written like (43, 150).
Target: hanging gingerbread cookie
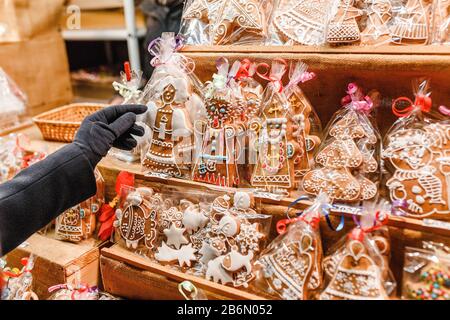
(300, 114)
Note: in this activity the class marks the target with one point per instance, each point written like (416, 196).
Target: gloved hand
(109, 127)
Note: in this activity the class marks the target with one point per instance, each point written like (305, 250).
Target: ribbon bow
(80, 289)
(422, 102)
(356, 98)
(317, 210)
(107, 211)
(273, 74)
(299, 74)
(165, 49)
(359, 232)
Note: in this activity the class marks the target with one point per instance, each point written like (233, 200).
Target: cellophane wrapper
(358, 269)
(440, 22)
(416, 159)
(12, 101)
(426, 273)
(290, 268)
(220, 135)
(347, 163)
(129, 90)
(20, 287)
(194, 232)
(167, 148)
(410, 22)
(14, 156)
(300, 22)
(231, 22)
(80, 222)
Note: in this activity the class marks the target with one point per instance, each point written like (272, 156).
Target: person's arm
(65, 178)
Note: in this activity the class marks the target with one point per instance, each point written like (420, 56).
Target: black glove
(109, 127)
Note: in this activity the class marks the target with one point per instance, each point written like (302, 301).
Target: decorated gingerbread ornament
(237, 19)
(411, 24)
(343, 27)
(137, 220)
(171, 128)
(274, 170)
(302, 21)
(217, 162)
(348, 156)
(356, 277)
(79, 222)
(378, 17)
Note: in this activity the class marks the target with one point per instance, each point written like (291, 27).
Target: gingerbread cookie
(237, 19)
(410, 25)
(274, 170)
(137, 221)
(356, 277)
(79, 222)
(419, 161)
(172, 131)
(343, 27)
(302, 22)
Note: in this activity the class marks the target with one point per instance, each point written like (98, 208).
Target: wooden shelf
(381, 49)
(167, 279)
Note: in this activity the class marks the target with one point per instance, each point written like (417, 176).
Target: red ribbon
(244, 70)
(107, 211)
(422, 101)
(282, 224)
(127, 68)
(359, 232)
(267, 75)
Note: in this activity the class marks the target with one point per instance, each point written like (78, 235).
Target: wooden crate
(58, 262)
(128, 275)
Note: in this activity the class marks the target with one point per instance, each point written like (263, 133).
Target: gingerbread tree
(346, 159)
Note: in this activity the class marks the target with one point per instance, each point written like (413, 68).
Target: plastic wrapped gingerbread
(416, 151)
(290, 268)
(274, 170)
(348, 158)
(217, 162)
(343, 27)
(172, 106)
(79, 222)
(358, 268)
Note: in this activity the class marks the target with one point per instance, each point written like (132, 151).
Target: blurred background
(62, 51)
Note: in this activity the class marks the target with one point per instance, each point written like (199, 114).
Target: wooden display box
(58, 262)
(128, 275)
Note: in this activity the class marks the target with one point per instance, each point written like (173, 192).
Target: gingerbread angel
(378, 17)
(171, 128)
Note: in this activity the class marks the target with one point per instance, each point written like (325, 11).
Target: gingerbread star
(175, 236)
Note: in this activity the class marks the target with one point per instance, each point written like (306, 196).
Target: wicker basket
(62, 123)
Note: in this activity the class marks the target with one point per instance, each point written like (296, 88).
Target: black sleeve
(41, 192)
